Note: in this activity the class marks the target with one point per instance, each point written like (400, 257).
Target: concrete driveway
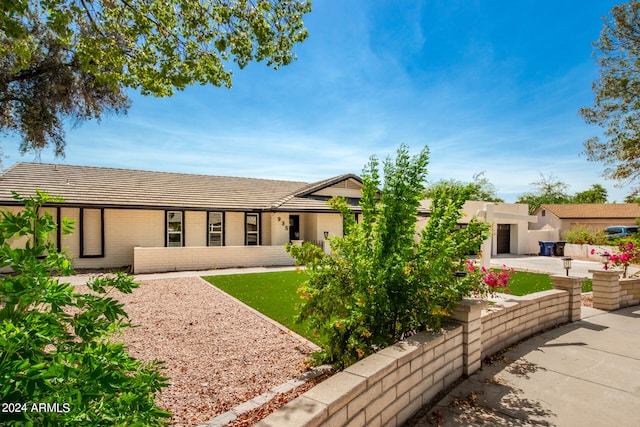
(550, 265)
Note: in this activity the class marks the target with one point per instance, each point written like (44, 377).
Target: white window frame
(213, 230)
(172, 233)
(255, 233)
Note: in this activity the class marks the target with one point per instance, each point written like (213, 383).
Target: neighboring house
(594, 215)
(509, 226)
(158, 221)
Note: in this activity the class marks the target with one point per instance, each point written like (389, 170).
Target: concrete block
(301, 411)
(358, 421)
(470, 368)
(376, 407)
(362, 401)
(451, 344)
(431, 392)
(418, 389)
(394, 377)
(453, 376)
(433, 339)
(419, 362)
(338, 419)
(442, 372)
(402, 351)
(373, 367)
(407, 412)
(432, 366)
(399, 403)
(531, 324)
(408, 383)
(374, 422)
(337, 391)
(473, 347)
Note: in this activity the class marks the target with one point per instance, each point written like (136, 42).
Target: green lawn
(272, 294)
(524, 283)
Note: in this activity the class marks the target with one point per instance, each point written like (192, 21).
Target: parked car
(621, 230)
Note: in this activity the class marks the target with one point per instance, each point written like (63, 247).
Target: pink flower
(593, 251)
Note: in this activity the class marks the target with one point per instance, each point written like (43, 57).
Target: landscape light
(566, 261)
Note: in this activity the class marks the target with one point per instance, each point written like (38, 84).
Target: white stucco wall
(148, 260)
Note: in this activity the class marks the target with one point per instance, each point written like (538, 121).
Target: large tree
(480, 189)
(616, 106)
(74, 59)
(595, 194)
(549, 190)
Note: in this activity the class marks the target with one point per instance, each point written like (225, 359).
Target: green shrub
(382, 282)
(581, 234)
(58, 366)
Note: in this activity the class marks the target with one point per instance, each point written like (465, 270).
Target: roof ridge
(314, 187)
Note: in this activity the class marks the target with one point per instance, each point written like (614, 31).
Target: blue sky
(488, 85)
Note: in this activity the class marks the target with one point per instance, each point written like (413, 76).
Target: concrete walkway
(81, 279)
(585, 373)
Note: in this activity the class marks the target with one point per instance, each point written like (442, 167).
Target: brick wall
(385, 388)
(629, 292)
(388, 387)
(519, 317)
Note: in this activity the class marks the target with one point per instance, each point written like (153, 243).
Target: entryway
(294, 227)
(504, 239)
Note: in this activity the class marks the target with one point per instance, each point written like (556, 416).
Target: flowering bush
(628, 253)
(489, 281)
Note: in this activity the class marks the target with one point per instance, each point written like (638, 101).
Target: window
(174, 228)
(215, 233)
(252, 229)
(91, 233)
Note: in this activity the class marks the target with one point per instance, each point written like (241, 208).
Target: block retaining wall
(610, 292)
(388, 387)
(516, 318)
(629, 292)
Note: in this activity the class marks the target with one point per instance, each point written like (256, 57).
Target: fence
(388, 387)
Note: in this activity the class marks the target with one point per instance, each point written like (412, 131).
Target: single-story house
(595, 215)
(159, 221)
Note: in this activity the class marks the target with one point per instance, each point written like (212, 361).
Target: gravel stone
(217, 353)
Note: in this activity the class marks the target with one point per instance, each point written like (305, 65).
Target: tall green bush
(385, 279)
(58, 363)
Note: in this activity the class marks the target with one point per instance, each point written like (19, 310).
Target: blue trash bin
(546, 248)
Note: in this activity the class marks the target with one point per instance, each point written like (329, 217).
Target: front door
(504, 239)
(294, 227)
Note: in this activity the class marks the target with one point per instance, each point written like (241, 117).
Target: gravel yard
(217, 352)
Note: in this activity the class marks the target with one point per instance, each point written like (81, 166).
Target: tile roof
(593, 210)
(97, 186)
